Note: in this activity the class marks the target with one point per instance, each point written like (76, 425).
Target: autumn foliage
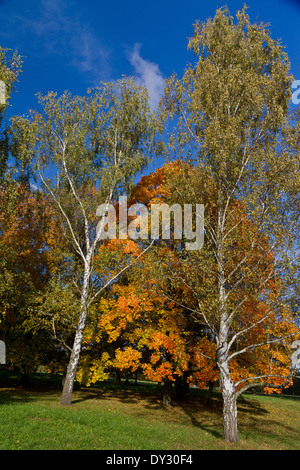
(149, 322)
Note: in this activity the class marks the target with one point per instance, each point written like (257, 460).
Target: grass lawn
(131, 417)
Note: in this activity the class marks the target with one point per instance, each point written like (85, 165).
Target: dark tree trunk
(118, 377)
(210, 391)
(24, 380)
(182, 387)
(167, 392)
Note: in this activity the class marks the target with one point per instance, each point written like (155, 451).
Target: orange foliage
(155, 335)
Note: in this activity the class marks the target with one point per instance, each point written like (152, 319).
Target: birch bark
(230, 427)
(66, 397)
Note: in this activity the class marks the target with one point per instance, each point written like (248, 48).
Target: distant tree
(24, 274)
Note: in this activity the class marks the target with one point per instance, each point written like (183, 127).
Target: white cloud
(147, 74)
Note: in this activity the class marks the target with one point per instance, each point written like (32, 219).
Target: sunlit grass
(131, 417)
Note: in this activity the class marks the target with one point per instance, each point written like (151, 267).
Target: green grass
(130, 417)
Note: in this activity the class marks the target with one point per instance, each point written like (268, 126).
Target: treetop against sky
(70, 45)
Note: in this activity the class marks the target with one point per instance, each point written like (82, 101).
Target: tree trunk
(66, 397)
(118, 377)
(167, 392)
(24, 380)
(182, 387)
(210, 392)
(230, 426)
(230, 429)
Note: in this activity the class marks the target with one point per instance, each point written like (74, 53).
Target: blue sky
(72, 45)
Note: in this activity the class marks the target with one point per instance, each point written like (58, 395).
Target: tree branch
(263, 384)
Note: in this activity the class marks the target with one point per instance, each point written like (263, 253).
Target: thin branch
(120, 272)
(60, 340)
(190, 309)
(263, 384)
(77, 245)
(86, 225)
(247, 329)
(253, 346)
(248, 295)
(189, 129)
(207, 357)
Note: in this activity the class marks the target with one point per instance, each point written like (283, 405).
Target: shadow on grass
(146, 397)
(38, 386)
(124, 393)
(193, 410)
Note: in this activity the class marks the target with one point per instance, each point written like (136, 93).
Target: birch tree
(231, 108)
(87, 151)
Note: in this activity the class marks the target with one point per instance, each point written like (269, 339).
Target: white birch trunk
(230, 429)
(66, 397)
(230, 426)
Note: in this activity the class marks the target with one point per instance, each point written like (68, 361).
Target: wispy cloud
(90, 56)
(60, 31)
(147, 74)
(55, 32)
